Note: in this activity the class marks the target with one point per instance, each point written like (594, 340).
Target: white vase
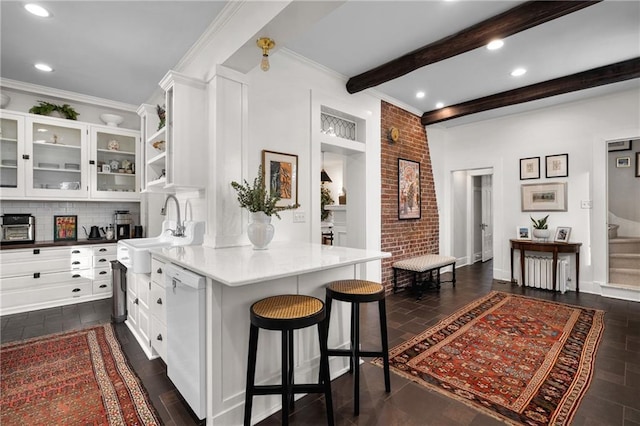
(542, 234)
(260, 230)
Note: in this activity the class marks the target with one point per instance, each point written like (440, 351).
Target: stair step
(624, 245)
(624, 260)
(624, 276)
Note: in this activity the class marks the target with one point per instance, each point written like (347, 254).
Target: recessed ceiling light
(43, 67)
(37, 10)
(495, 44)
(420, 95)
(518, 72)
(439, 105)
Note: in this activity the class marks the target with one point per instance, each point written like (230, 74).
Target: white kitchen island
(237, 277)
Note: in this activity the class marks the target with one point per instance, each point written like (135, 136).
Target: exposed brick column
(405, 238)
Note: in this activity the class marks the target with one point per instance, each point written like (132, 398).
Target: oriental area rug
(519, 359)
(75, 378)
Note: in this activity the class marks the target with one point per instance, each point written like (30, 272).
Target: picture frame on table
(619, 146)
(281, 176)
(523, 232)
(623, 162)
(409, 198)
(543, 197)
(557, 165)
(65, 228)
(562, 234)
(530, 168)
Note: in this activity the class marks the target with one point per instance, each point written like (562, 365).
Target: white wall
(578, 129)
(624, 188)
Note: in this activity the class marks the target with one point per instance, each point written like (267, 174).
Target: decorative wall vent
(337, 126)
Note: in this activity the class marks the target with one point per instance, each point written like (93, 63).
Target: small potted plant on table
(540, 228)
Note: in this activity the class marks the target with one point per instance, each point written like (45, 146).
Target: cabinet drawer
(157, 302)
(157, 271)
(102, 287)
(46, 294)
(104, 249)
(37, 281)
(30, 255)
(159, 338)
(44, 266)
(101, 274)
(102, 260)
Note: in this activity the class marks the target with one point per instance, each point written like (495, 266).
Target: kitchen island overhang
(239, 276)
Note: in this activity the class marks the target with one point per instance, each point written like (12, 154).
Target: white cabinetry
(181, 161)
(38, 278)
(158, 307)
(138, 312)
(53, 158)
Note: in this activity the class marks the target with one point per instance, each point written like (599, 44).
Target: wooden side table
(547, 247)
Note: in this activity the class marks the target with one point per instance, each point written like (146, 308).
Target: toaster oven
(18, 229)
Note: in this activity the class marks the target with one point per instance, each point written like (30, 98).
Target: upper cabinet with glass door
(57, 151)
(113, 163)
(12, 164)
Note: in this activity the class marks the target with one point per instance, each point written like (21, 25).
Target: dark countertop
(42, 244)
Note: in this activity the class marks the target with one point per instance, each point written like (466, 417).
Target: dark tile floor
(612, 399)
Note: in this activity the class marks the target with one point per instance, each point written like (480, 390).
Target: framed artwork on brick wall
(409, 201)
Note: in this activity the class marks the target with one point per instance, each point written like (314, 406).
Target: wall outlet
(298, 217)
(585, 204)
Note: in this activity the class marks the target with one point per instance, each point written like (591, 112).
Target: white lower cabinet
(46, 277)
(138, 316)
(158, 308)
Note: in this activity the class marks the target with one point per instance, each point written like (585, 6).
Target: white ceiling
(119, 50)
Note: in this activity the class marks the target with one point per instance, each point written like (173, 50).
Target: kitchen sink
(134, 253)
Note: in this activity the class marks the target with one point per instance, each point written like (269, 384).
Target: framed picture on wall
(409, 201)
(530, 168)
(623, 162)
(65, 228)
(543, 197)
(619, 146)
(557, 165)
(281, 176)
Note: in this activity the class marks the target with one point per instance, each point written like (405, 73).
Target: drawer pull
(159, 270)
(103, 272)
(159, 337)
(103, 286)
(77, 262)
(36, 251)
(135, 302)
(102, 260)
(75, 290)
(102, 250)
(75, 252)
(159, 301)
(75, 276)
(36, 275)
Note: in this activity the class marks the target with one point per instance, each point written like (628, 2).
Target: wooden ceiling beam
(608, 74)
(519, 18)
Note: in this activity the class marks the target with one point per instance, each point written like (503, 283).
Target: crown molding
(64, 94)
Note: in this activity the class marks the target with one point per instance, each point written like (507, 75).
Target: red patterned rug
(80, 378)
(519, 359)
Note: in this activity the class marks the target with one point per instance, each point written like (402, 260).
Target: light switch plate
(585, 204)
(298, 217)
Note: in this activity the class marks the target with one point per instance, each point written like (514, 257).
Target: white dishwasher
(186, 335)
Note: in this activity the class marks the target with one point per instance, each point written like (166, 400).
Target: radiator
(538, 272)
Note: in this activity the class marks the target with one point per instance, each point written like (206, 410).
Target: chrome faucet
(179, 231)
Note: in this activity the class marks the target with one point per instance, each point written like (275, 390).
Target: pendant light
(324, 177)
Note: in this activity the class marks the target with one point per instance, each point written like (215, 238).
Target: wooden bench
(427, 263)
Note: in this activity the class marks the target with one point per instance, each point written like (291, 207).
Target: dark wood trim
(608, 74)
(519, 18)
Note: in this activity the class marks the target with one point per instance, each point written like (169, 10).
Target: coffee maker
(122, 220)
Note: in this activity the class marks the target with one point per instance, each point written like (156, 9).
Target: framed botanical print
(557, 165)
(409, 201)
(281, 176)
(530, 168)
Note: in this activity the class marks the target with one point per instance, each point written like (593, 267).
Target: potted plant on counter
(262, 204)
(540, 228)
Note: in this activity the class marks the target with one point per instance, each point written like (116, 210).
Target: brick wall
(413, 237)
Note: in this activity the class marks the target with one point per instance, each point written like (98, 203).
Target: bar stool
(287, 313)
(356, 292)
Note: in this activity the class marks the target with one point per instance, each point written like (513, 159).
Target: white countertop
(237, 266)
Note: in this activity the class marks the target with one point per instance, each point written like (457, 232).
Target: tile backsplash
(89, 214)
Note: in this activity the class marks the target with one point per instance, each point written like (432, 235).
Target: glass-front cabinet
(113, 162)
(12, 164)
(57, 153)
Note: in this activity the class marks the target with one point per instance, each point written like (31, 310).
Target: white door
(487, 219)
